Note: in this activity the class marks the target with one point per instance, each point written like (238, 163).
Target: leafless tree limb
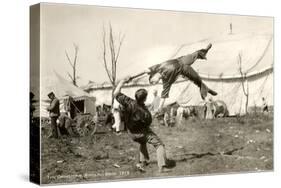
(104, 57)
(119, 47)
(73, 64)
(68, 58)
(113, 47)
(244, 79)
(70, 76)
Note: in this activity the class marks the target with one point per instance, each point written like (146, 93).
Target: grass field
(225, 145)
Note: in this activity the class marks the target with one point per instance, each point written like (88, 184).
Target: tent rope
(263, 86)
(261, 57)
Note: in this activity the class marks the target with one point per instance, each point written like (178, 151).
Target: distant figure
(155, 103)
(169, 116)
(180, 113)
(210, 109)
(166, 118)
(220, 109)
(264, 106)
(173, 114)
(54, 113)
(116, 111)
(186, 112)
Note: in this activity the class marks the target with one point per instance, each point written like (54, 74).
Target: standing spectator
(173, 114)
(116, 111)
(155, 103)
(54, 113)
(138, 120)
(169, 116)
(180, 114)
(209, 109)
(166, 118)
(264, 106)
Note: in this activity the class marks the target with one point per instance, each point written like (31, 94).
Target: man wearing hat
(54, 113)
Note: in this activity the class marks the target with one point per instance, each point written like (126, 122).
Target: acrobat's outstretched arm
(138, 75)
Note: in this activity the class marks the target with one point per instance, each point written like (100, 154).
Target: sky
(144, 30)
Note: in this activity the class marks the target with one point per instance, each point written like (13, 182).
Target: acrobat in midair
(170, 70)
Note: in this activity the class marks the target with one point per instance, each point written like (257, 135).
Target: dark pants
(54, 129)
(151, 138)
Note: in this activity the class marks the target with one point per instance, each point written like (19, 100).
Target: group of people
(138, 117)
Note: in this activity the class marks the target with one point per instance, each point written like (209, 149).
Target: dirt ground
(224, 145)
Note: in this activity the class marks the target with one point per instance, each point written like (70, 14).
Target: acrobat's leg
(165, 92)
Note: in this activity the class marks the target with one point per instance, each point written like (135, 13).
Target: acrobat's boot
(212, 92)
(204, 90)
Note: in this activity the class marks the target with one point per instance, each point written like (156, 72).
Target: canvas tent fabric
(62, 89)
(220, 72)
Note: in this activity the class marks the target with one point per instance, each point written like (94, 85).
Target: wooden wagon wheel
(84, 125)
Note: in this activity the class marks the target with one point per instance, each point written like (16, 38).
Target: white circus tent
(220, 72)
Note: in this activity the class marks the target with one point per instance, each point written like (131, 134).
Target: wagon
(82, 111)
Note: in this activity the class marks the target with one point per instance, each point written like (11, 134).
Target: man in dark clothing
(137, 122)
(54, 113)
(170, 70)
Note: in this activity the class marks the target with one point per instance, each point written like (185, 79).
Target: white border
(14, 78)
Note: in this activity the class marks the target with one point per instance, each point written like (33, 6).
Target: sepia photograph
(125, 93)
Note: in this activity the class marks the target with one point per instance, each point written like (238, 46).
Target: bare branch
(73, 63)
(68, 58)
(119, 47)
(112, 52)
(111, 45)
(70, 76)
(76, 48)
(104, 56)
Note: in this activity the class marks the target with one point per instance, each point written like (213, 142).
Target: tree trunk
(247, 97)
(112, 96)
(246, 104)
(74, 76)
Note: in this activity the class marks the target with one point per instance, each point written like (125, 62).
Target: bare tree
(244, 82)
(112, 47)
(73, 64)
